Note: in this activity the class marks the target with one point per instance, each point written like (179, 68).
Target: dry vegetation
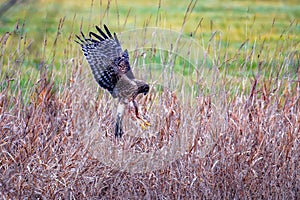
(239, 139)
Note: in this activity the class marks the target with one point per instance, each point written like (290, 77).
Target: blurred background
(42, 33)
(237, 20)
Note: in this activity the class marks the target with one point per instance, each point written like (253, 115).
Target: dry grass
(235, 140)
(43, 155)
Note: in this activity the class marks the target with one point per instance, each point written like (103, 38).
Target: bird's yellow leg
(143, 123)
(146, 123)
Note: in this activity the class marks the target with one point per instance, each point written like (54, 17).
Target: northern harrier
(111, 69)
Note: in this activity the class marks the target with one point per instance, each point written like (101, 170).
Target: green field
(237, 21)
(224, 102)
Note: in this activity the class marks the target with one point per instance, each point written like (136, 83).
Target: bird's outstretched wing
(105, 57)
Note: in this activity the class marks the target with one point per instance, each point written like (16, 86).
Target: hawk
(111, 69)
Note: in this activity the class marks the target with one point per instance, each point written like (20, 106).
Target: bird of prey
(111, 69)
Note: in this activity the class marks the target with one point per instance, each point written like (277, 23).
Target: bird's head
(143, 89)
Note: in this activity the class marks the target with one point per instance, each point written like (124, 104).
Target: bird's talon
(142, 126)
(147, 123)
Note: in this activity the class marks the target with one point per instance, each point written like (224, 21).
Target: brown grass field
(226, 127)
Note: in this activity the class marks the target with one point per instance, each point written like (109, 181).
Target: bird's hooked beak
(146, 89)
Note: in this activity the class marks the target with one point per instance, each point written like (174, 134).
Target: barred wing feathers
(102, 51)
